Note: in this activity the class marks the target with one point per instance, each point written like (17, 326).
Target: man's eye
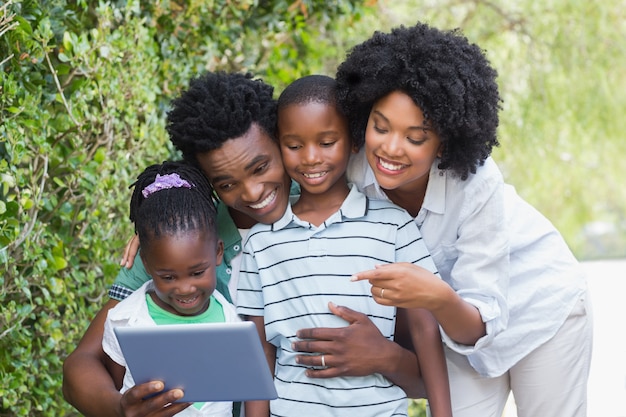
(260, 168)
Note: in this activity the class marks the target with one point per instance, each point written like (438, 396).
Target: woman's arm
(410, 286)
(88, 386)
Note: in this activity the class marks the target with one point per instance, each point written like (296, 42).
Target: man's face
(248, 176)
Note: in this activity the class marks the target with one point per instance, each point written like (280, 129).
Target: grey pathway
(607, 382)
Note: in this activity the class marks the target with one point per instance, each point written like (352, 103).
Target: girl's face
(315, 146)
(248, 176)
(399, 145)
(183, 268)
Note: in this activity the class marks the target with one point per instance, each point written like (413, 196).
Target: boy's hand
(132, 403)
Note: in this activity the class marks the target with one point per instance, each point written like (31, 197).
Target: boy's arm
(261, 408)
(426, 338)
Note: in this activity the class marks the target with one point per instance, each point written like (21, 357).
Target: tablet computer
(209, 361)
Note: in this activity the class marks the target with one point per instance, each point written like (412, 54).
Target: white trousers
(550, 382)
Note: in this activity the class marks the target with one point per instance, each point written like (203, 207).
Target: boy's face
(183, 268)
(315, 145)
(248, 176)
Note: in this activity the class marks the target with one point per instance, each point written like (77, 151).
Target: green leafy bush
(83, 93)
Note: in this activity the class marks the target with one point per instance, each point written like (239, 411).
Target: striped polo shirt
(292, 269)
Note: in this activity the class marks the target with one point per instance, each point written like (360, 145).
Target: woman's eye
(380, 129)
(416, 141)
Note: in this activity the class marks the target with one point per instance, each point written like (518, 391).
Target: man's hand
(356, 350)
(130, 251)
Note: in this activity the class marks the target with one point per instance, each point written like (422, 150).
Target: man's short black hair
(219, 106)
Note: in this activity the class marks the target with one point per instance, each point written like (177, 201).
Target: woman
(513, 303)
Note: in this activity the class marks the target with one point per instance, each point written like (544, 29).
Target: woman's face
(400, 146)
(248, 175)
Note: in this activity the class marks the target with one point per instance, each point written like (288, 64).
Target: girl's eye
(328, 144)
(293, 147)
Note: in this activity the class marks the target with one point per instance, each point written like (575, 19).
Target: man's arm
(357, 350)
(88, 386)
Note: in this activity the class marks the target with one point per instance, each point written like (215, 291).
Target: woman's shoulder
(486, 178)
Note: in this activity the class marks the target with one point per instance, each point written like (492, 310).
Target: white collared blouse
(499, 254)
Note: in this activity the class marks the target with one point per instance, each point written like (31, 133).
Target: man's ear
(220, 251)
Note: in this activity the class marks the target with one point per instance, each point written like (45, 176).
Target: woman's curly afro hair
(219, 106)
(450, 80)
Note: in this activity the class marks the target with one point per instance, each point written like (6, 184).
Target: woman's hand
(410, 286)
(133, 404)
(405, 285)
(130, 251)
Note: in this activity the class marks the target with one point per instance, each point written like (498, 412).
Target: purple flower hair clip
(164, 182)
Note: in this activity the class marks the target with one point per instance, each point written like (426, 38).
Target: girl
(175, 220)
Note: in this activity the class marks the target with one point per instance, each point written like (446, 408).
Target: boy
(292, 269)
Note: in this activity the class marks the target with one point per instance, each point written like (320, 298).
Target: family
(362, 225)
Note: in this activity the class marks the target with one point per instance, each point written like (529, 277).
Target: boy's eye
(166, 277)
(197, 273)
(292, 147)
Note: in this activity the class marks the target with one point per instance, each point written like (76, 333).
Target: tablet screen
(208, 361)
